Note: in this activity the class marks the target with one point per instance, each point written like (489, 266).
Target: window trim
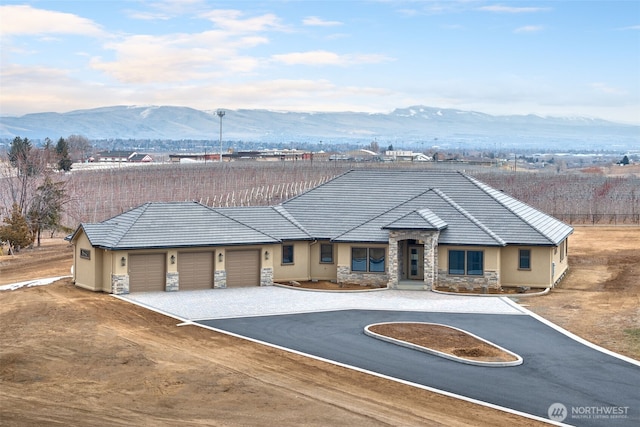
(521, 252)
(85, 253)
(325, 245)
(367, 259)
(465, 259)
(282, 261)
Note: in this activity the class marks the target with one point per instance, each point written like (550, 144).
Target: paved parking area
(276, 300)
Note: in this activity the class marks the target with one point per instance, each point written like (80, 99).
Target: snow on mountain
(403, 126)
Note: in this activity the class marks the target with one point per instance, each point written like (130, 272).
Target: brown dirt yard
(70, 356)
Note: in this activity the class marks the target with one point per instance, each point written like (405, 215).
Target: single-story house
(382, 227)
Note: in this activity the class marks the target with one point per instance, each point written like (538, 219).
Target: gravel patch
(273, 300)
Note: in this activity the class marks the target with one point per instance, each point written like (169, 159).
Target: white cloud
(323, 57)
(497, 8)
(314, 21)
(232, 21)
(26, 20)
(529, 29)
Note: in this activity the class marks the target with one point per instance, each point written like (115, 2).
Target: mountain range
(416, 126)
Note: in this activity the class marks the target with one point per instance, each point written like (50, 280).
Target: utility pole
(221, 115)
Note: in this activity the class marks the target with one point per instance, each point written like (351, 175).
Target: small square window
(287, 254)
(326, 253)
(85, 253)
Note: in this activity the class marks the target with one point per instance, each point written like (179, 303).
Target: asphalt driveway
(595, 388)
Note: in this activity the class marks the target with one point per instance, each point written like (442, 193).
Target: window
(368, 260)
(287, 254)
(456, 262)
(85, 253)
(466, 262)
(475, 263)
(524, 259)
(376, 260)
(326, 253)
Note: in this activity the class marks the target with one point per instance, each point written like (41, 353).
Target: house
(388, 228)
(123, 157)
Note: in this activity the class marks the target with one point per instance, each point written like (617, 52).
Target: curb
(402, 343)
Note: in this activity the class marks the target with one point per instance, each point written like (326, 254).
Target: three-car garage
(148, 272)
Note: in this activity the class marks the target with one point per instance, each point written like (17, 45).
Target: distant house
(388, 228)
(123, 156)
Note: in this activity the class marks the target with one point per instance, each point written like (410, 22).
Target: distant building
(124, 157)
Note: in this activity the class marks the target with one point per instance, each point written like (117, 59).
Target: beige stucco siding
(299, 270)
(538, 276)
(85, 272)
(560, 260)
(322, 270)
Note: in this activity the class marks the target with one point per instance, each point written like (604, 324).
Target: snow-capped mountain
(405, 126)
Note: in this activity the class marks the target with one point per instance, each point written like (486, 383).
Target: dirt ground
(75, 357)
(445, 340)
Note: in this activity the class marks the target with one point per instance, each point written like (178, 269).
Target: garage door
(243, 268)
(195, 270)
(147, 272)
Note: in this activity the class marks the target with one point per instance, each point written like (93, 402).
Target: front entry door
(416, 263)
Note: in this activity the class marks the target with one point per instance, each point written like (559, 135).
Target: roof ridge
(242, 223)
(382, 213)
(143, 209)
(470, 217)
(487, 190)
(282, 211)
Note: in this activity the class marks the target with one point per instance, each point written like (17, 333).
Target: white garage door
(243, 268)
(147, 272)
(195, 270)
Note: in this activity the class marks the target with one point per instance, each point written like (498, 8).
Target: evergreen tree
(62, 150)
(16, 230)
(46, 209)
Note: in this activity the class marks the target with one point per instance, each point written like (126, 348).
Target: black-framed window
(524, 259)
(85, 253)
(370, 260)
(287, 254)
(466, 262)
(326, 253)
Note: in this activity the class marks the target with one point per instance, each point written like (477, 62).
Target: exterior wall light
(220, 257)
(173, 259)
(266, 254)
(123, 261)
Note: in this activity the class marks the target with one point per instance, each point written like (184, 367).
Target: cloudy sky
(557, 58)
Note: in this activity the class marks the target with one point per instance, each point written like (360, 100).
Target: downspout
(309, 260)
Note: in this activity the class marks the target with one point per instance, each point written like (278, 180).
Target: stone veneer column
(431, 259)
(220, 279)
(119, 284)
(394, 272)
(430, 239)
(266, 276)
(173, 282)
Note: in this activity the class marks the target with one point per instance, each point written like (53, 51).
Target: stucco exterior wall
(538, 276)
(299, 270)
(86, 273)
(322, 270)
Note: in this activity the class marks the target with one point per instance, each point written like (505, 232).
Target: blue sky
(551, 58)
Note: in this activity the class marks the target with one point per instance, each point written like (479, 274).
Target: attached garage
(147, 272)
(243, 268)
(195, 270)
